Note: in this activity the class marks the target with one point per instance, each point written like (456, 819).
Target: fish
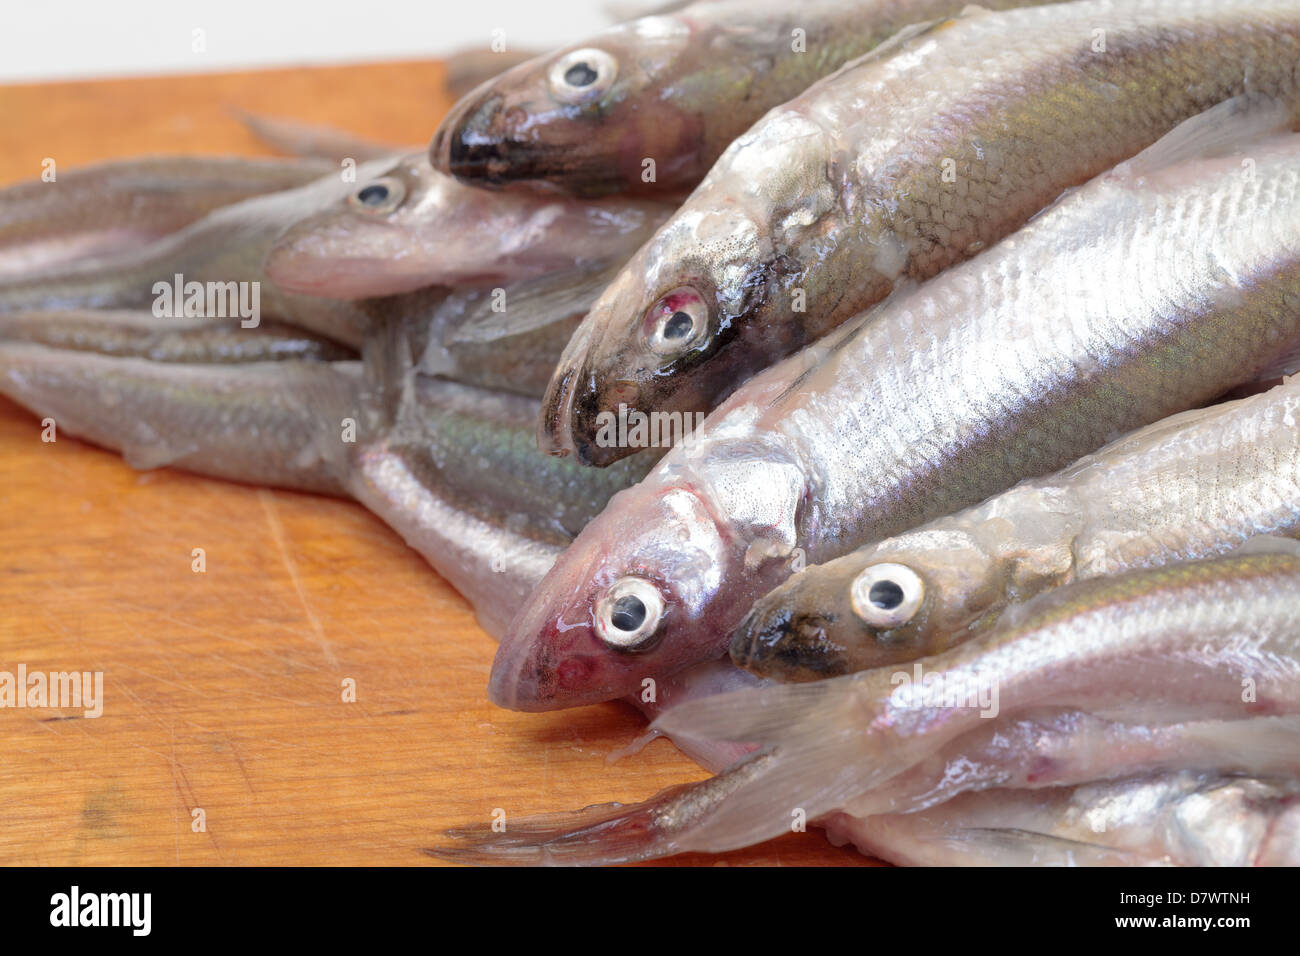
(106, 207)
(1216, 639)
(225, 251)
(1151, 290)
(934, 146)
(649, 105)
(1197, 484)
(411, 227)
(1183, 819)
(1191, 666)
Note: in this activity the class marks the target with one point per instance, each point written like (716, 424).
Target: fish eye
(379, 196)
(628, 614)
(583, 75)
(886, 596)
(677, 322)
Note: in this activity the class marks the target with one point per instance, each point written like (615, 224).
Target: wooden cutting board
(223, 691)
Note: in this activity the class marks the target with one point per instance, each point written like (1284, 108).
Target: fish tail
(599, 835)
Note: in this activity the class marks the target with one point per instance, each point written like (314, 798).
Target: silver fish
(913, 158)
(1197, 484)
(648, 106)
(1149, 291)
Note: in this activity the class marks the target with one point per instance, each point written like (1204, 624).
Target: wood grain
(223, 689)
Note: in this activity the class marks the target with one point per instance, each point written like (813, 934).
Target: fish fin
(389, 364)
(909, 33)
(823, 751)
(633, 747)
(273, 423)
(1223, 130)
(315, 142)
(603, 834)
(549, 299)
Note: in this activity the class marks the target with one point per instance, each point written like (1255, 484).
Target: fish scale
(999, 369)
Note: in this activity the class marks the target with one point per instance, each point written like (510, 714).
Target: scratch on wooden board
(234, 749)
(287, 659)
(277, 532)
(186, 797)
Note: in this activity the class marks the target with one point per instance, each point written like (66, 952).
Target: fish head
(373, 241)
(583, 120)
(885, 605)
(681, 326)
(631, 599)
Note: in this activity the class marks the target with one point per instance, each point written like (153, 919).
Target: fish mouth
(759, 630)
(553, 434)
(526, 679)
(500, 163)
(570, 419)
(472, 145)
(468, 144)
(508, 686)
(476, 145)
(485, 163)
(786, 644)
(571, 406)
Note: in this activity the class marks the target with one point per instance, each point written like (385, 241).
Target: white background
(57, 39)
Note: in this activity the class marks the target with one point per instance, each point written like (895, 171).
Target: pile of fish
(890, 398)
